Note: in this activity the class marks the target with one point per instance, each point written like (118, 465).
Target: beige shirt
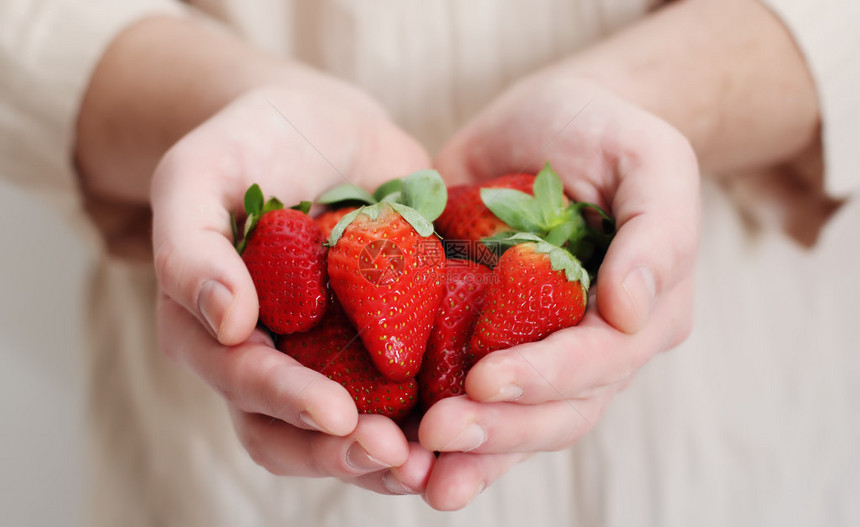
(750, 422)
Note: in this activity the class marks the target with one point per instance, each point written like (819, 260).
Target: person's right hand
(295, 141)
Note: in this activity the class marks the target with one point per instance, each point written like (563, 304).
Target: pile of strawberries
(396, 294)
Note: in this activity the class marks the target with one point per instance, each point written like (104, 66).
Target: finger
(656, 207)
(463, 425)
(456, 161)
(255, 377)
(391, 154)
(580, 361)
(195, 261)
(522, 130)
(375, 445)
(409, 478)
(458, 478)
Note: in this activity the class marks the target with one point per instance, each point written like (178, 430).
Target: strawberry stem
(304, 207)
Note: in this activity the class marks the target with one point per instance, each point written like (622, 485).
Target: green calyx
(255, 206)
(547, 215)
(419, 198)
(560, 259)
(351, 194)
(346, 194)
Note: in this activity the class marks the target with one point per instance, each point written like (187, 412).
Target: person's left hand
(545, 395)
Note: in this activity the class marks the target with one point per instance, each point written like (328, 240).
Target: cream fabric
(827, 34)
(751, 422)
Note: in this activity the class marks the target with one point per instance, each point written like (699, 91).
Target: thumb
(195, 261)
(656, 206)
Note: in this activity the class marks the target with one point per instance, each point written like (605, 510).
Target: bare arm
(726, 73)
(158, 80)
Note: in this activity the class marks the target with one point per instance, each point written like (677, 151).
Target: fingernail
(213, 300)
(470, 438)
(510, 392)
(358, 458)
(308, 421)
(641, 288)
(394, 486)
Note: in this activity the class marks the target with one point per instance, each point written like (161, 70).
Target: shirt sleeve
(48, 52)
(828, 36)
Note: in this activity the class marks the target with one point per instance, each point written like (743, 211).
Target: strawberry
(386, 269)
(284, 253)
(547, 213)
(334, 349)
(328, 219)
(348, 197)
(537, 288)
(443, 372)
(467, 219)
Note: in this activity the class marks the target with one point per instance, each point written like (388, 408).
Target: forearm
(158, 80)
(726, 73)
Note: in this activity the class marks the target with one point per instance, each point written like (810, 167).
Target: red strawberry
(537, 289)
(498, 209)
(386, 268)
(284, 253)
(388, 278)
(334, 349)
(443, 372)
(467, 218)
(328, 219)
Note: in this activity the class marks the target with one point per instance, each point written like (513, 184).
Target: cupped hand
(295, 141)
(544, 396)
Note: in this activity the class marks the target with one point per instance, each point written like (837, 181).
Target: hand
(296, 142)
(546, 395)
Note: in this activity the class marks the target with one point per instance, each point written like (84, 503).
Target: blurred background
(41, 375)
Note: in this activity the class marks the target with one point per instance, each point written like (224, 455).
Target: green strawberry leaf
(587, 243)
(346, 192)
(561, 234)
(395, 197)
(607, 219)
(524, 237)
(422, 225)
(304, 207)
(250, 223)
(276, 204)
(234, 226)
(419, 221)
(344, 222)
(560, 259)
(255, 208)
(516, 208)
(499, 243)
(549, 194)
(387, 188)
(577, 229)
(254, 200)
(425, 192)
